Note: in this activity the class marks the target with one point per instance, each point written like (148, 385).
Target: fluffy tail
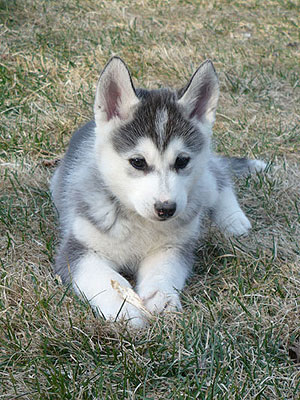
(243, 166)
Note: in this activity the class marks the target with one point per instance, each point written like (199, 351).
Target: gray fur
(143, 123)
(70, 253)
(81, 143)
(224, 168)
(239, 166)
(220, 169)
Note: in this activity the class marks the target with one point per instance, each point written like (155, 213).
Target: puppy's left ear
(115, 94)
(200, 97)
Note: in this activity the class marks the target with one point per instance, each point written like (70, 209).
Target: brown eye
(181, 162)
(138, 163)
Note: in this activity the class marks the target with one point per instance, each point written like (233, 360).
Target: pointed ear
(200, 97)
(115, 94)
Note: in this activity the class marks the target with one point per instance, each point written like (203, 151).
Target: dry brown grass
(240, 330)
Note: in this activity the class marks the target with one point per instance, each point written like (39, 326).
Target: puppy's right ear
(115, 94)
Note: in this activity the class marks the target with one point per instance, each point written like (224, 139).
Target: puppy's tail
(243, 166)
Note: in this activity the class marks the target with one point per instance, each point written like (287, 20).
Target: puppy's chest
(129, 239)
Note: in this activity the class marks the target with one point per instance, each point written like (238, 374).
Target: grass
(239, 335)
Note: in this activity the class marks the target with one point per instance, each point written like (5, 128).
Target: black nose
(165, 209)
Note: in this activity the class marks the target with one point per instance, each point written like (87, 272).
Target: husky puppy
(133, 188)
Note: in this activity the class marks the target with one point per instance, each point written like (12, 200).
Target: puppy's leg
(91, 278)
(160, 277)
(227, 213)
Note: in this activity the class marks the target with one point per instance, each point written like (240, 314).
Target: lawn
(239, 334)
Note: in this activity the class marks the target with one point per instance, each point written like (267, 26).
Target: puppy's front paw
(114, 308)
(132, 316)
(158, 302)
(236, 224)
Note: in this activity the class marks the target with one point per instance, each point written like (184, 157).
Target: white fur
(228, 214)
(143, 237)
(160, 278)
(93, 280)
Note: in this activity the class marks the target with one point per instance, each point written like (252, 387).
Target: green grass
(239, 335)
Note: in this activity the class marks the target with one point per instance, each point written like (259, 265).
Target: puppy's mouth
(163, 218)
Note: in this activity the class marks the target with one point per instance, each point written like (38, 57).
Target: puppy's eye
(138, 163)
(181, 162)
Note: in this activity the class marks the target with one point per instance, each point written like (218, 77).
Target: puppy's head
(152, 146)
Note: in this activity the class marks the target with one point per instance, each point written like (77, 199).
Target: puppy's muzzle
(164, 210)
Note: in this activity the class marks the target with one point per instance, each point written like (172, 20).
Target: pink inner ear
(201, 104)
(112, 97)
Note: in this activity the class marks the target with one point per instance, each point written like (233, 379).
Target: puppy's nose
(165, 209)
